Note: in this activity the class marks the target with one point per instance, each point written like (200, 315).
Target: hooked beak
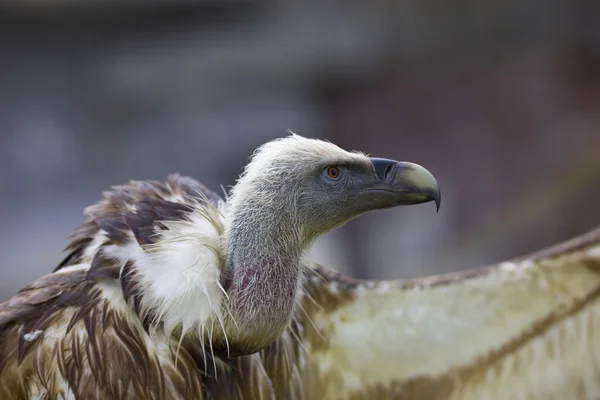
(402, 183)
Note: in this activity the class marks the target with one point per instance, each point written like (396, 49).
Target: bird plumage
(139, 309)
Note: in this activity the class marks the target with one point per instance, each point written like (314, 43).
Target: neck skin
(263, 269)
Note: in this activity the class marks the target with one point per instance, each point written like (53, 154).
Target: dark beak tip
(438, 201)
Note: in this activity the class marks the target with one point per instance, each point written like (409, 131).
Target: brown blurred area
(499, 99)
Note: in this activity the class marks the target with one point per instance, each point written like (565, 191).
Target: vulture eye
(333, 172)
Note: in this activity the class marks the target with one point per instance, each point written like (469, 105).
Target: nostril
(384, 168)
(388, 171)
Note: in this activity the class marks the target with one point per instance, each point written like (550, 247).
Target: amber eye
(333, 172)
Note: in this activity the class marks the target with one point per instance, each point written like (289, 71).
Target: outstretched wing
(526, 328)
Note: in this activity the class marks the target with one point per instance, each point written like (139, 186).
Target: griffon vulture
(169, 292)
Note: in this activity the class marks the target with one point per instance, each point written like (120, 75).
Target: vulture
(169, 291)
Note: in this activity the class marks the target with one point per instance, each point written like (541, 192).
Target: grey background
(499, 99)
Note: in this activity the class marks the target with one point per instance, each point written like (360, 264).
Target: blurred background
(500, 99)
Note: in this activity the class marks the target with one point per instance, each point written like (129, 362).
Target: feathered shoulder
(75, 330)
(137, 207)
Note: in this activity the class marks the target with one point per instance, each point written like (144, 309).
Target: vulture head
(293, 190)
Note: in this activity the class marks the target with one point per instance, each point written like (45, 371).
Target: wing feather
(30, 301)
(504, 331)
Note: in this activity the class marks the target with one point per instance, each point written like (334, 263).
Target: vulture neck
(264, 248)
